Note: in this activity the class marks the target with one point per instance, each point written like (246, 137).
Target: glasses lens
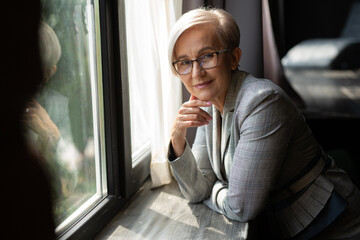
(208, 60)
(183, 67)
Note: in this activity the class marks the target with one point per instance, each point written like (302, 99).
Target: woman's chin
(204, 95)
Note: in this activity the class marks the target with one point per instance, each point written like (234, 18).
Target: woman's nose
(197, 70)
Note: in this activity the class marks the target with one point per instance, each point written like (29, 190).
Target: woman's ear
(236, 55)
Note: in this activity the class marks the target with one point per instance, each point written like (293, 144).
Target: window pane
(65, 120)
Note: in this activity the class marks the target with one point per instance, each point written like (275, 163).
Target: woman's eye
(185, 63)
(208, 56)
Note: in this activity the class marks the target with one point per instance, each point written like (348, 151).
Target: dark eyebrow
(199, 52)
(205, 48)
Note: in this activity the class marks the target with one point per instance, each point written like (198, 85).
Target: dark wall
(247, 14)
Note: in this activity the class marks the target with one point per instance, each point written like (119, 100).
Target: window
(79, 121)
(65, 121)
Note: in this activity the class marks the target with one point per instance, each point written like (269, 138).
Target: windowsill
(163, 213)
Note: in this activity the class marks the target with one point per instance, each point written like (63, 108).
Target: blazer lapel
(226, 131)
(221, 129)
(229, 106)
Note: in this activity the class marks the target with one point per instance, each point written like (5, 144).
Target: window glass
(64, 122)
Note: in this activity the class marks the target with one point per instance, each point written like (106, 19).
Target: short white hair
(226, 28)
(50, 49)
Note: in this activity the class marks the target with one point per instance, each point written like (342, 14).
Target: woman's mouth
(203, 84)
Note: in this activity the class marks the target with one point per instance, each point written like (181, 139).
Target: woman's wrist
(178, 146)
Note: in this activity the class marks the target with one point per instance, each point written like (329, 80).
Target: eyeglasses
(206, 61)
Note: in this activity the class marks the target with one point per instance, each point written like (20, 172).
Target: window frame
(124, 177)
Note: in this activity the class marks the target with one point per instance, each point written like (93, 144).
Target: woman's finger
(192, 97)
(193, 117)
(195, 110)
(195, 123)
(179, 128)
(197, 103)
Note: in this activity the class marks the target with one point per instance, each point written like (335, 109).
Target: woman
(253, 153)
(41, 129)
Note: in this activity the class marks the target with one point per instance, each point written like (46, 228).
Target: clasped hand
(190, 115)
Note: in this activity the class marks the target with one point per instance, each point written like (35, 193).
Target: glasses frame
(199, 62)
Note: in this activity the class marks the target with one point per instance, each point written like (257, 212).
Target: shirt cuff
(171, 153)
(218, 195)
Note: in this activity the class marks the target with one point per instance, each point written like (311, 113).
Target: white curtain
(155, 95)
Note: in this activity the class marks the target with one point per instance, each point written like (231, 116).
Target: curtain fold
(167, 91)
(272, 66)
(273, 69)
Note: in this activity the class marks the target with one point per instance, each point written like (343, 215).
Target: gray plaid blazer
(241, 160)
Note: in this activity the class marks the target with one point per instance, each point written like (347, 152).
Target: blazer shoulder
(254, 90)
(257, 86)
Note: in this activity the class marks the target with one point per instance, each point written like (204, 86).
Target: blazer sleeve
(264, 133)
(193, 170)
